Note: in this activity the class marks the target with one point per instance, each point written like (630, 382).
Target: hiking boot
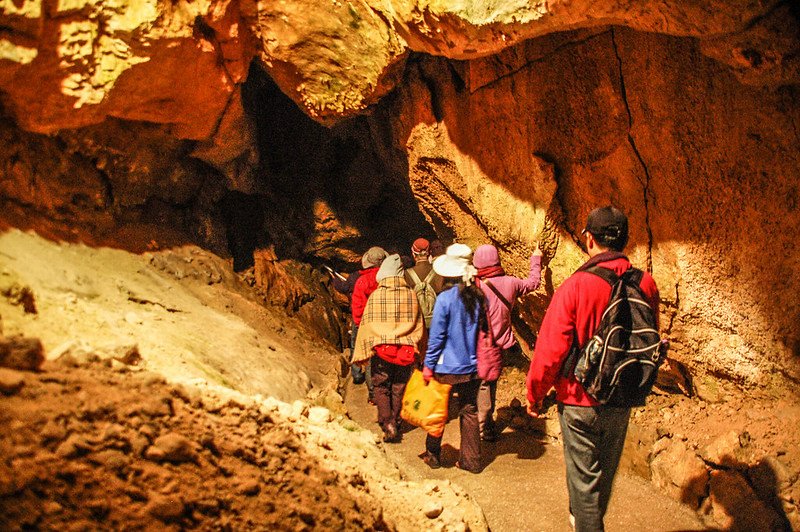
(475, 471)
(431, 460)
(489, 436)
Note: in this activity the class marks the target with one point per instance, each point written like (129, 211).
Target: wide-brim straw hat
(456, 261)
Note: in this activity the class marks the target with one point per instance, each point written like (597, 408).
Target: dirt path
(522, 486)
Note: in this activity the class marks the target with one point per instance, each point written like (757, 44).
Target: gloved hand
(427, 374)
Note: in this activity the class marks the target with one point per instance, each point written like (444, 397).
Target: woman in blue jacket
(451, 357)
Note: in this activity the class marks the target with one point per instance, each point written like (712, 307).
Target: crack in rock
(632, 142)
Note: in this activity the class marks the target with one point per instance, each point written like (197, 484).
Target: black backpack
(619, 364)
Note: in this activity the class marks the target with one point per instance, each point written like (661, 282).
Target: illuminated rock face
(505, 124)
(75, 62)
(520, 146)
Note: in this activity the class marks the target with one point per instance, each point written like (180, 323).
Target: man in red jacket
(593, 434)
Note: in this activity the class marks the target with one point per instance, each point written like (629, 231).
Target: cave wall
(520, 146)
(317, 130)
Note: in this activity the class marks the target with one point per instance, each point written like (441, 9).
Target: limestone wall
(505, 122)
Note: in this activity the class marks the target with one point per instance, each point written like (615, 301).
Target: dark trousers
(593, 442)
(389, 382)
(487, 395)
(465, 394)
(359, 375)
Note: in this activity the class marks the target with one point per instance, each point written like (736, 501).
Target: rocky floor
(152, 412)
(91, 447)
(172, 397)
(84, 448)
(522, 485)
(732, 455)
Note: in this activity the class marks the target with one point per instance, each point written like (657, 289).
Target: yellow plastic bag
(425, 406)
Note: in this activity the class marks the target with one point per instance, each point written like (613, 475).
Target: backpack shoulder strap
(428, 278)
(414, 276)
(575, 350)
(634, 276)
(500, 296)
(605, 274)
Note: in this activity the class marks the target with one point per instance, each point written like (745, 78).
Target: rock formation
(314, 130)
(684, 115)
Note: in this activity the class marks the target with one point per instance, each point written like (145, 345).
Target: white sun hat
(456, 262)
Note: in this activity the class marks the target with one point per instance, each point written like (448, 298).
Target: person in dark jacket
(422, 267)
(345, 285)
(593, 434)
(435, 250)
(451, 357)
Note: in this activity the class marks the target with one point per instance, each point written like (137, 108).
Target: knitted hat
(392, 267)
(456, 263)
(373, 257)
(420, 247)
(486, 256)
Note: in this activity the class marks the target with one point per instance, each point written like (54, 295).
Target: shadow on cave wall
(747, 499)
(650, 123)
(304, 165)
(122, 184)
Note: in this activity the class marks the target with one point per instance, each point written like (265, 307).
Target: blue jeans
(593, 442)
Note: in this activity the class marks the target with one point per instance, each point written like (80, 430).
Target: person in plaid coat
(389, 339)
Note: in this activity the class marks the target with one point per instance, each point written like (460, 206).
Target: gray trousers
(593, 442)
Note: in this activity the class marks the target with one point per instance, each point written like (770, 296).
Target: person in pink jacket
(501, 291)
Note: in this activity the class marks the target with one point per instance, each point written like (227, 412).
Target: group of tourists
(450, 316)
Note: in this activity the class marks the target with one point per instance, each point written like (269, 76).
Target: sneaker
(431, 460)
(391, 434)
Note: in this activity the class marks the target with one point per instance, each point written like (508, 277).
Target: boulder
(318, 415)
(679, 472)
(433, 509)
(18, 294)
(729, 450)
(172, 447)
(11, 381)
(110, 458)
(19, 352)
(709, 390)
(166, 508)
(75, 445)
(249, 487)
(53, 431)
(158, 405)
